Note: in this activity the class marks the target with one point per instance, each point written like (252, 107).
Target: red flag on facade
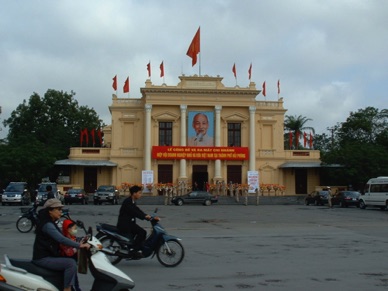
(304, 139)
(99, 134)
(311, 141)
(234, 70)
(297, 139)
(278, 86)
(290, 139)
(93, 132)
(250, 72)
(114, 85)
(84, 134)
(126, 86)
(149, 69)
(264, 93)
(194, 48)
(162, 70)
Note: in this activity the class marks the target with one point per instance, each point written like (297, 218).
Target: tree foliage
(360, 146)
(296, 125)
(42, 131)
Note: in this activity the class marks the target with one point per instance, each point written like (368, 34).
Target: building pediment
(236, 116)
(165, 116)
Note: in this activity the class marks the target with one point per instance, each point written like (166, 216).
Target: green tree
(360, 146)
(296, 125)
(42, 131)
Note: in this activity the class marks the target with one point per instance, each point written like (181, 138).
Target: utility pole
(331, 129)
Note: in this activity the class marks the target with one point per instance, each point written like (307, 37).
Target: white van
(375, 193)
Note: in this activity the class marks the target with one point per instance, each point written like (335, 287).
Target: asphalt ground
(228, 246)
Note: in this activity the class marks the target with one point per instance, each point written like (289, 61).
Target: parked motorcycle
(167, 248)
(25, 275)
(29, 218)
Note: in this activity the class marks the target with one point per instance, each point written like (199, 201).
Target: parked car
(41, 192)
(202, 197)
(317, 198)
(347, 198)
(106, 193)
(75, 196)
(16, 193)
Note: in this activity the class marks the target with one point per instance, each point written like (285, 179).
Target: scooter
(26, 275)
(29, 218)
(168, 249)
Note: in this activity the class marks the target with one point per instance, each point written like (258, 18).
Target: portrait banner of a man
(201, 128)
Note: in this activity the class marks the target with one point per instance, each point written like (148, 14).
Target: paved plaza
(237, 247)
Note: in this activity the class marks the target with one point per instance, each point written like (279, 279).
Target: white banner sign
(253, 181)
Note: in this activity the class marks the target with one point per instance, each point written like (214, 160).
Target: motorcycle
(29, 218)
(167, 248)
(26, 275)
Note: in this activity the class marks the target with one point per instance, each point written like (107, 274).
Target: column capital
(183, 107)
(148, 107)
(252, 108)
(218, 107)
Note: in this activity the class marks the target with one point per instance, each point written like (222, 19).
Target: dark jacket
(44, 245)
(128, 214)
(49, 237)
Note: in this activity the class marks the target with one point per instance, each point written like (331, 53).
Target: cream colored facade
(135, 130)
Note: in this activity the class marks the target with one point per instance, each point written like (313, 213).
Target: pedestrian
(329, 198)
(50, 193)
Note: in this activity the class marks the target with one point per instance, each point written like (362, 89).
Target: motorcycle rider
(126, 223)
(48, 238)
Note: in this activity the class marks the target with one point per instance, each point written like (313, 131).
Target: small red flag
(278, 86)
(114, 85)
(304, 139)
(264, 93)
(92, 132)
(234, 70)
(161, 70)
(126, 86)
(194, 48)
(250, 72)
(311, 140)
(99, 134)
(290, 139)
(297, 139)
(149, 69)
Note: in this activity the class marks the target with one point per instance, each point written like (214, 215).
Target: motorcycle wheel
(171, 253)
(24, 224)
(111, 244)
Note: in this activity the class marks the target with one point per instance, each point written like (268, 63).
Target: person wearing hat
(46, 250)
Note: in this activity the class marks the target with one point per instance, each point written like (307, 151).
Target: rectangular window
(165, 133)
(234, 134)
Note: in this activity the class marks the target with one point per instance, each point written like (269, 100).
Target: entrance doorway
(234, 174)
(300, 181)
(90, 179)
(200, 177)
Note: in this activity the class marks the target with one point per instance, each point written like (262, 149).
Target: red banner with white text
(199, 153)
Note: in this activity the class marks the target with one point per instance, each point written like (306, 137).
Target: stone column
(182, 170)
(217, 141)
(147, 143)
(252, 146)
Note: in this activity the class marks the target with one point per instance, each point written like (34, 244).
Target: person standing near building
(329, 197)
(200, 125)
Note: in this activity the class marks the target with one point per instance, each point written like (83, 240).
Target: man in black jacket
(129, 211)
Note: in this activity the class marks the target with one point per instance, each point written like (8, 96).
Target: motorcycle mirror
(90, 231)
(80, 223)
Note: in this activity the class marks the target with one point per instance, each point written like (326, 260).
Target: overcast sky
(331, 56)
